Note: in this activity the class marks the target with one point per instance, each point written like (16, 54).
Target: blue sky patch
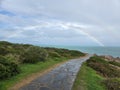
(7, 13)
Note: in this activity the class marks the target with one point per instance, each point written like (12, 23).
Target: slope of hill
(17, 61)
(99, 73)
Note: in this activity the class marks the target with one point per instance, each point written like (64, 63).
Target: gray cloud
(98, 21)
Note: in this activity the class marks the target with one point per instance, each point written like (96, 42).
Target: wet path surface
(60, 78)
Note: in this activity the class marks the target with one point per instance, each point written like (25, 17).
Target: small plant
(54, 54)
(34, 54)
(8, 68)
(115, 63)
(112, 83)
(103, 67)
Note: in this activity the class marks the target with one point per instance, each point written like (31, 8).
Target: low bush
(3, 50)
(76, 53)
(13, 57)
(8, 68)
(103, 67)
(112, 83)
(53, 54)
(3, 71)
(64, 52)
(115, 63)
(34, 55)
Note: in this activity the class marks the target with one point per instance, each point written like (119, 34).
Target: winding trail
(60, 78)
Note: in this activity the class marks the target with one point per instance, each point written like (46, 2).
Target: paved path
(60, 78)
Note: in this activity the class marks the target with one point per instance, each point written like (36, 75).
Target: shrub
(115, 63)
(13, 57)
(3, 71)
(3, 50)
(8, 68)
(65, 52)
(5, 43)
(33, 55)
(97, 59)
(54, 54)
(112, 84)
(103, 67)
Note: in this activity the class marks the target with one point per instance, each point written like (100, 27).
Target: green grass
(88, 79)
(28, 69)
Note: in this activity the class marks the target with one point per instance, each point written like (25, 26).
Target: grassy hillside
(88, 79)
(18, 61)
(98, 74)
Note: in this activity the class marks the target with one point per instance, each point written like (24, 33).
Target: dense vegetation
(8, 68)
(103, 67)
(13, 55)
(103, 73)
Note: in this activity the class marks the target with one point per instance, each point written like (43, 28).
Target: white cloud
(54, 30)
(93, 21)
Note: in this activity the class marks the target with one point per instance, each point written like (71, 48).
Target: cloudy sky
(61, 22)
